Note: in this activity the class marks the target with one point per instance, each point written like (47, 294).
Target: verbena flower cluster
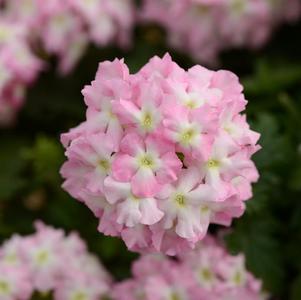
(36, 28)
(162, 154)
(50, 262)
(208, 273)
(204, 28)
(18, 68)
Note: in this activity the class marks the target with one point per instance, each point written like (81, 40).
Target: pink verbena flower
(85, 279)
(207, 273)
(42, 253)
(207, 27)
(14, 283)
(64, 29)
(221, 275)
(50, 262)
(10, 252)
(18, 68)
(162, 153)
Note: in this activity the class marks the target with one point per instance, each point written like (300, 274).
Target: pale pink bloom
(106, 20)
(137, 238)
(204, 28)
(176, 148)
(185, 205)
(84, 279)
(10, 252)
(18, 68)
(206, 273)
(60, 29)
(169, 242)
(50, 262)
(146, 164)
(92, 157)
(191, 131)
(72, 54)
(42, 253)
(144, 112)
(78, 287)
(26, 12)
(131, 210)
(21, 62)
(14, 283)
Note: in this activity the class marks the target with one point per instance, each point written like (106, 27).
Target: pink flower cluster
(206, 27)
(18, 68)
(162, 154)
(33, 28)
(208, 273)
(50, 262)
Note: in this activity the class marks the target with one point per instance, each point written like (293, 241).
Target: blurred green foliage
(270, 231)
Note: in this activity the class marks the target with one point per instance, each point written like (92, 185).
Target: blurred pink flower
(63, 29)
(206, 273)
(204, 28)
(48, 261)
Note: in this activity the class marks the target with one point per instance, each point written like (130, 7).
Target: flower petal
(151, 214)
(123, 167)
(115, 190)
(144, 183)
(128, 212)
(189, 178)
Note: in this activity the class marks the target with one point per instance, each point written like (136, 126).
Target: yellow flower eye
(212, 163)
(180, 199)
(104, 164)
(146, 161)
(187, 136)
(147, 121)
(4, 288)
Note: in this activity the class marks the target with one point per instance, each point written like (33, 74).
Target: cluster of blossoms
(50, 262)
(162, 154)
(206, 27)
(207, 273)
(64, 29)
(18, 68)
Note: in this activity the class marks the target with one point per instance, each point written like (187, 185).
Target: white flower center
(204, 209)
(147, 121)
(174, 296)
(238, 278)
(180, 200)
(27, 7)
(213, 163)
(4, 287)
(11, 258)
(238, 6)
(191, 104)
(187, 135)
(80, 296)
(206, 275)
(146, 161)
(42, 257)
(104, 165)
(4, 34)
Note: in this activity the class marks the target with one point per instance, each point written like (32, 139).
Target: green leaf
(276, 148)
(46, 156)
(255, 237)
(12, 164)
(270, 78)
(296, 289)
